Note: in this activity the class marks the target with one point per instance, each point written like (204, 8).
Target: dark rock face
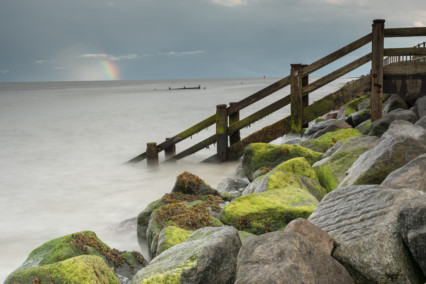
(287, 257)
(412, 224)
(209, 256)
(394, 102)
(420, 107)
(375, 165)
(308, 230)
(378, 127)
(363, 222)
(412, 175)
(358, 117)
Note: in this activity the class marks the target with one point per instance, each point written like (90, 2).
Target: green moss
(319, 119)
(349, 111)
(80, 269)
(172, 275)
(326, 178)
(173, 236)
(258, 155)
(298, 166)
(354, 103)
(326, 141)
(268, 211)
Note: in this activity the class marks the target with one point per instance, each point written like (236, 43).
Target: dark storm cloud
(65, 40)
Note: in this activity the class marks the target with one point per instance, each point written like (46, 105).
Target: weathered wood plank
(404, 51)
(259, 114)
(234, 118)
(197, 147)
(377, 50)
(259, 95)
(336, 74)
(296, 97)
(188, 133)
(405, 69)
(221, 132)
(405, 32)
(151, 154)
(265, 135)
(337, 54)
(138, 158)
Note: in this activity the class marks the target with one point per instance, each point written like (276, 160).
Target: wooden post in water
(222, 132)
(171, 150)
(234, 118)
(296, 97)
(377, 69)
(151, 154)
(305, 98)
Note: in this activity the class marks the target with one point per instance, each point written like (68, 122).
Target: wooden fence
(227, 118)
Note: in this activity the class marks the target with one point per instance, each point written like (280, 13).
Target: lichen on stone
(298, 166)
(326, 141)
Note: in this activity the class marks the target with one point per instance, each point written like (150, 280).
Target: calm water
(63, 146)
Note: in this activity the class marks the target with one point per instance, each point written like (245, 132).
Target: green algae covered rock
(354, 103)
(271, 210)
(332, 170)
(278, 179)
(208, 256)
(81, 243)
(258, 155)
(244, 236)
(143, 220)
(79, 269)
(185, 211)
(298, 166)
(171, 236)
(326, 141)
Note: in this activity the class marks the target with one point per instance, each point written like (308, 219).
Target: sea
(64, 148)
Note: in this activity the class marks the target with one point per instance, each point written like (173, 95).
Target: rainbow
(110, 70)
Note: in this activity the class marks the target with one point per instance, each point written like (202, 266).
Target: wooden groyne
(227, 117)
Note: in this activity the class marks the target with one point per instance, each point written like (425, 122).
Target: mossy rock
(272, 210)
(326, 141)
(188, 183)
(85, 243)
(79, 269)
(184, 215)
(298, 166)
(143, 219)
(258, 155)
(354, 103)
(244, 236)
(171, 236)
(333, 170)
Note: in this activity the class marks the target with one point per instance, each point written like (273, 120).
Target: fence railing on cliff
(406, 58)
(227, 118)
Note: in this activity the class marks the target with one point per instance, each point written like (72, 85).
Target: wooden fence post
(305, 98)
(234, 118)
(296, 97)
(151, 154)
(222, 132)
(377, 69)
(170, 151)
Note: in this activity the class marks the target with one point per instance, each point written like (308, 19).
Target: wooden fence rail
(227, 118)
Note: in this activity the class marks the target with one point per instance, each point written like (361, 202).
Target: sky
(63, 40)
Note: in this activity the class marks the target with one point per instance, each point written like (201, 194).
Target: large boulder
(326, 141)
(332, 169)
(420, 107)
(142, 220)
(171, 236)
(376, 164)
(258, 155)
(407, 129)
(84, 243)
(185, 211)
(378, 127)
(208, 256)
(412, 224)
(232, 186)
(278, 179)
(394, 102)
(330, 126)
(79, 269)
(188, 183)
(412, 175)
(411, 97)
(363, 222)
(358, 117)
(287, 257)
(422, 122)
(267, 211)
(308, 230)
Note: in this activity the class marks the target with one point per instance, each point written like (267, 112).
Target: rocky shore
(345, 203)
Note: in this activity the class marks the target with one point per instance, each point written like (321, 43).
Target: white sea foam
(63, 148)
